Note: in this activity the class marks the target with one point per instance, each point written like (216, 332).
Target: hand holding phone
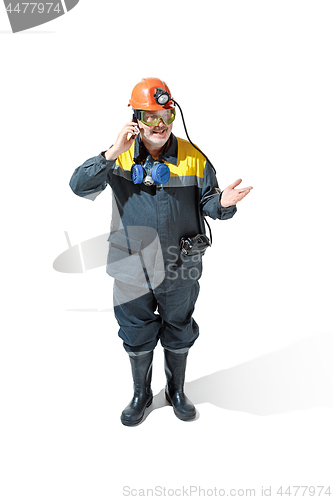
(124, 140)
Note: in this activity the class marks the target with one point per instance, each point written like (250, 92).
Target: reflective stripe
(134, 354)
(186, 180)
(118, 170)
(178, 351)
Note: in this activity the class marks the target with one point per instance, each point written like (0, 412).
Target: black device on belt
(196, 245)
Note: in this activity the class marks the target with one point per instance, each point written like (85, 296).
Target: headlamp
(162, 97)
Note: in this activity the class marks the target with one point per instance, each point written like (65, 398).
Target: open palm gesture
(231, 196)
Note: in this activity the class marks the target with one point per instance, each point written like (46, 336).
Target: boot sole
(130, 423)
(184, 419)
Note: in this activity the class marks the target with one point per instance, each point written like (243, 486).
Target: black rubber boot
(175, 366)
(143, 396)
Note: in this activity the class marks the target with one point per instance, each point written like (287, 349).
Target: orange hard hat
(143, 95)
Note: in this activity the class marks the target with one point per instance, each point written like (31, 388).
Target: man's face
(157, 136)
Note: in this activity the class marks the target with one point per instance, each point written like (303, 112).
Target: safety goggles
(152, 118)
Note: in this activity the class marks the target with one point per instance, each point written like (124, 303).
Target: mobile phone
(134, 119)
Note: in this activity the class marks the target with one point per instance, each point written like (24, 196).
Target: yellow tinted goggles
(152, 118)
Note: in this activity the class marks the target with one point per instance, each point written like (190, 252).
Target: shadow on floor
(298, 377)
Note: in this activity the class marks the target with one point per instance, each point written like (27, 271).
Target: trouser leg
(179, 330)
(140, 329)
(139, 326)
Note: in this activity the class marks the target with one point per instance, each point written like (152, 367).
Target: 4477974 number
(301, 491)
(31, 7)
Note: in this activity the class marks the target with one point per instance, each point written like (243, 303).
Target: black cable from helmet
(160, 96)
(203, 154)
(189, 140)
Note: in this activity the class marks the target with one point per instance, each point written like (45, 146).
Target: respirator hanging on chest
(152, 172)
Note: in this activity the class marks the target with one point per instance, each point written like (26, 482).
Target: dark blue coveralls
(151, 274)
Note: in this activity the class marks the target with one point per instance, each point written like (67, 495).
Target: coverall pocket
(191, 268)
(124, 259)
(122, 242)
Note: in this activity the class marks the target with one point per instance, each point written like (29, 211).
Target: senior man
(162, 188)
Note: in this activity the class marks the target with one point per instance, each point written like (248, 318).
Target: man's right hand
(123, 144)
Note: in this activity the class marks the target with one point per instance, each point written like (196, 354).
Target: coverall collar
(170, 154)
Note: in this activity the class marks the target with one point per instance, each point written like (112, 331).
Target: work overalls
(156, 286)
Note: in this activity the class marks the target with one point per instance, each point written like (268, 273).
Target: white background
(254, 79)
